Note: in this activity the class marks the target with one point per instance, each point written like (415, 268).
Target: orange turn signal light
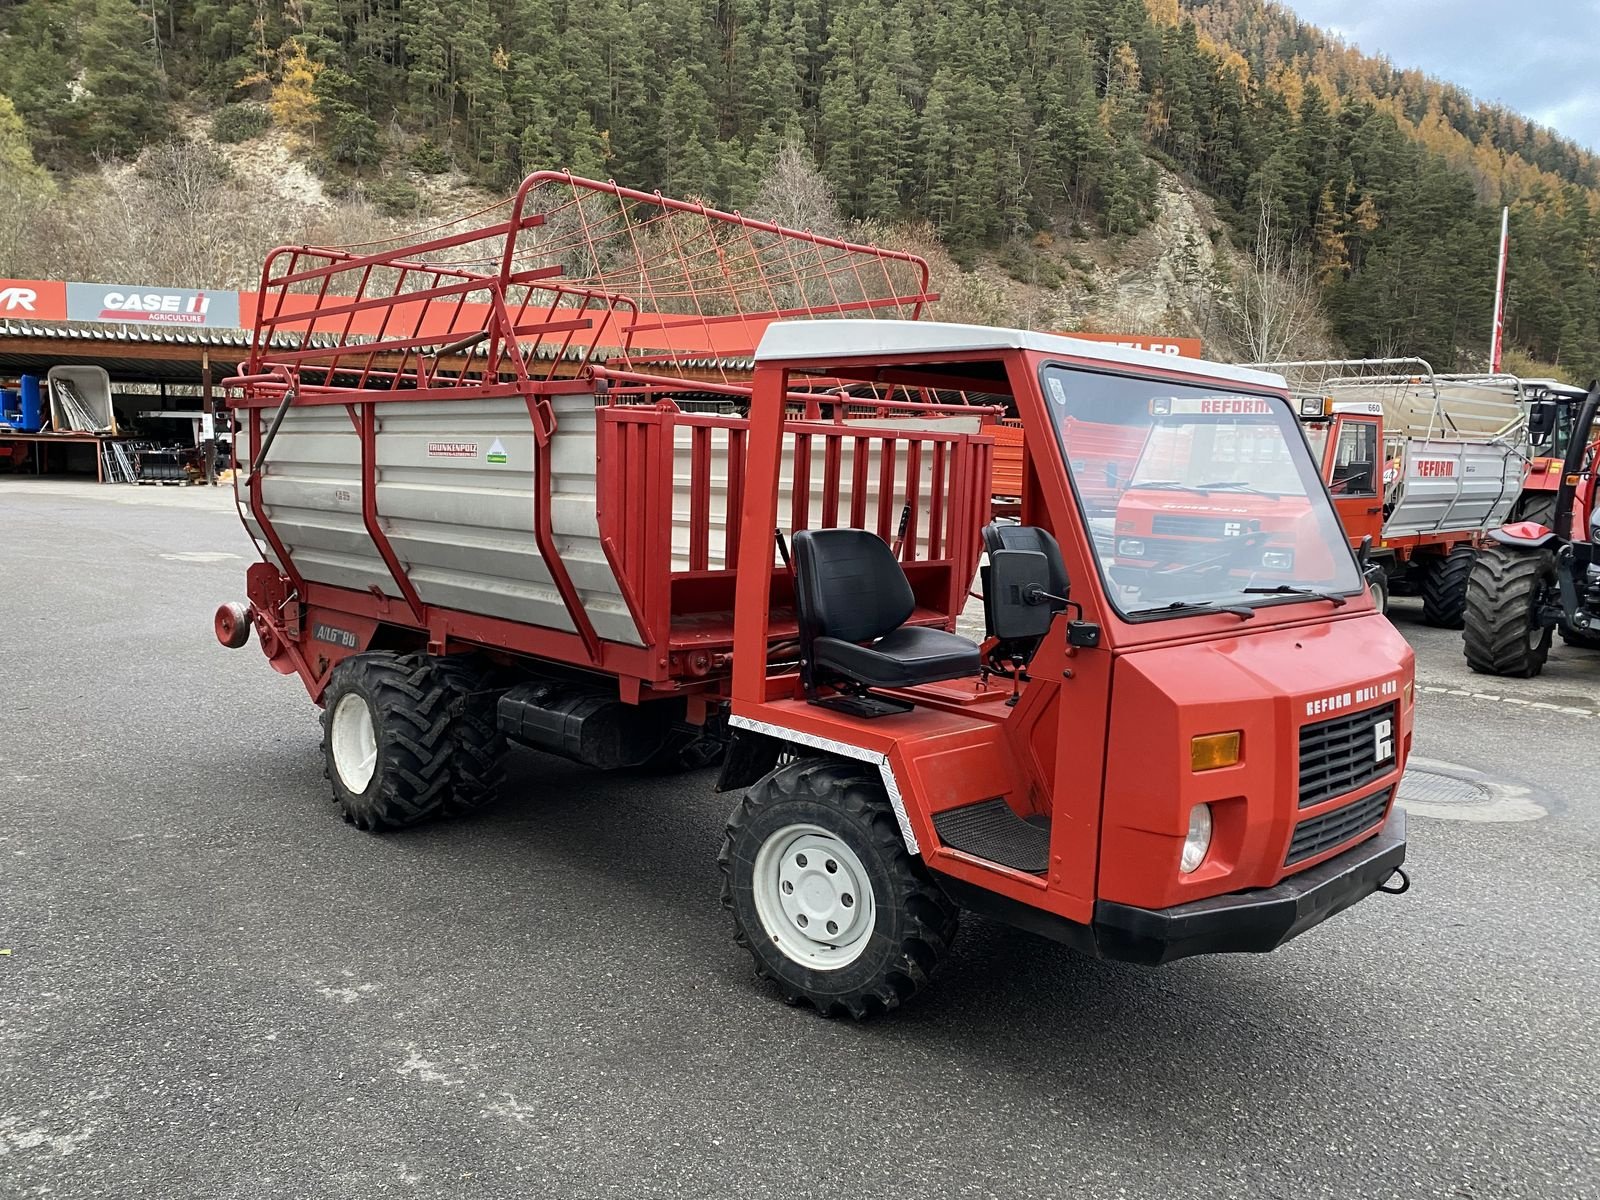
(1215, 750)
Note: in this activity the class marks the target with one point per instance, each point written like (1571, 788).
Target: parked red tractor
(515, 527)
(1533, 579)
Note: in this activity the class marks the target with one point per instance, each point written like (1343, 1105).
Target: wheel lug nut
(847, 899)
(832, 928)
(802, 921)
(787, 887)
(831, 866)
(800, 860)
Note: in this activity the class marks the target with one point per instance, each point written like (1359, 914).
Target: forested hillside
(1017, 128)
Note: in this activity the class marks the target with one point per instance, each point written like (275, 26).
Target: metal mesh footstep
(990, 830)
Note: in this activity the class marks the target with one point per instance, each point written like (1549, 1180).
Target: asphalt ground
(210, 986)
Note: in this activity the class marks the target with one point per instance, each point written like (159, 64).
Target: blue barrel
(28, 386)
(10, 410)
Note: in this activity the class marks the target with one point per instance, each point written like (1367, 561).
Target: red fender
(1528, 534)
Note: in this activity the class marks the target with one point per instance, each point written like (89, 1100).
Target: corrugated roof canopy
(129, 355)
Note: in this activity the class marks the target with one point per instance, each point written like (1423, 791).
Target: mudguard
(1528, 534)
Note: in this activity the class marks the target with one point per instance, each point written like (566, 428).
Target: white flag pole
(1497, 345)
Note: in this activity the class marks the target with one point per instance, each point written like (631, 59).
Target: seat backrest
(1030, 537)
(848, 585)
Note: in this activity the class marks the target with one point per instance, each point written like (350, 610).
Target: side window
(1356, 461)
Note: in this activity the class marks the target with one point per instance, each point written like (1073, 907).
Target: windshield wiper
(1243, 612)
(1166, 485)
(1283, 589)
(1237, 485)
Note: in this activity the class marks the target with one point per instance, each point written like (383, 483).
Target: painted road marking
(1440, 690)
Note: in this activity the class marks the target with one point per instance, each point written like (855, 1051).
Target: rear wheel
(386, 724)
(1537, 506)
(1444, 587)
(477, 747)
(1503, 635)
(824, 894)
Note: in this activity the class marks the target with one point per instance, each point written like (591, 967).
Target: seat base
(865, 707)
(903, 657)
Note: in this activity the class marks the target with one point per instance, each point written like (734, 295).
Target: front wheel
(1378, 585)
(1503, 633)
(824, 894)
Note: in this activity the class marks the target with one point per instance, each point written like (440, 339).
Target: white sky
(1536, 57)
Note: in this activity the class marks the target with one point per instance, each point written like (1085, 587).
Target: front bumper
(1255, 921)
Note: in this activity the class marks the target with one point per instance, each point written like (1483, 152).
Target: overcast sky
(1537, 57)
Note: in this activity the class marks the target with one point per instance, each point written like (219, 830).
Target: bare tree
(796, 195)
(1273, 310)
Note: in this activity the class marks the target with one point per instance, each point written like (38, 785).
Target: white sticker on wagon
(452, 449)
(497, 453)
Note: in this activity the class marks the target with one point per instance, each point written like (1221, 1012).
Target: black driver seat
(848, 590)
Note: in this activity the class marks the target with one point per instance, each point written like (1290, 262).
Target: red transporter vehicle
(474, 532)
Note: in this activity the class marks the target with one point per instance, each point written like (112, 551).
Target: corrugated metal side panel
(1454, 487)
(311, 490)
(458, 518)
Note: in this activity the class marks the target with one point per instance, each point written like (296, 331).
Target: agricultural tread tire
(1444, 588)
(478, 748)
(1537, 506)
(412, 710)
(915, 921)
(1501, 593)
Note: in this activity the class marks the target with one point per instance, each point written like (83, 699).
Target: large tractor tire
(477, 747)
(1536, 506)
(824, 894)
(1502, 634)
(1444, 588)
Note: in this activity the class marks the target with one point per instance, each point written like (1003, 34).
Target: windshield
(1195, 496)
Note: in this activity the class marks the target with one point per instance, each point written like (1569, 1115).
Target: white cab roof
(810, 341)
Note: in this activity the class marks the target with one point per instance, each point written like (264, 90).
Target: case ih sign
(149, 305)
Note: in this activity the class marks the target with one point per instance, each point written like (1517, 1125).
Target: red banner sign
(1181, 347)
(40, 300)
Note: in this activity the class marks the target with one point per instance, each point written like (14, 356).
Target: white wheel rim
(813, 897)
(355, 742)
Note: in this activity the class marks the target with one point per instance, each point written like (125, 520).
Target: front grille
(1163, 551)
(1206, 527)
(1341, 754)
(1314, 836)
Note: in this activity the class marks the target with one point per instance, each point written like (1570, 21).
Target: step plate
(991, 831)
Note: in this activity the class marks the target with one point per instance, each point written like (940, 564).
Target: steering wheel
(1241, 546)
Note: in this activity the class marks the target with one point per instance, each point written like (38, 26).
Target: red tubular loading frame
(528, 299)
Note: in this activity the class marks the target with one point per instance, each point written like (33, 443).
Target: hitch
(1390, 888)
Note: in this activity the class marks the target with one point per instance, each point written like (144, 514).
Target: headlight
(1278, 560)
(1198, 842)
(1130, 548)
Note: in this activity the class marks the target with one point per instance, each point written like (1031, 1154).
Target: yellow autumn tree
(294, 99)
(1162, 12)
